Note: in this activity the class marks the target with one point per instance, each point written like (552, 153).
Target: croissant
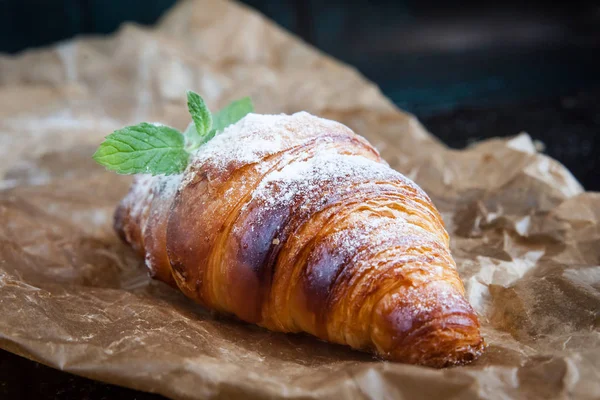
(295, 223)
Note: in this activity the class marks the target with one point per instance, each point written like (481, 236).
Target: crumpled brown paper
(525, 236)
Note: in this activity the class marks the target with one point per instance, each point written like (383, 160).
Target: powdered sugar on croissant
(295, 223)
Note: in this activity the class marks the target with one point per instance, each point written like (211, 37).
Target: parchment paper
(525, 235)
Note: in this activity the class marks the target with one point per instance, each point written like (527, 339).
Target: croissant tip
(468, 355)
(459, 357)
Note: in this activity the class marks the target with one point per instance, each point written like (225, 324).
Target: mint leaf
(231, 114)
(202, 120)
(144, 148)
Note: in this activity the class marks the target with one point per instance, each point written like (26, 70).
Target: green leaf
(202, 119)
(144, 148)
(232, 113)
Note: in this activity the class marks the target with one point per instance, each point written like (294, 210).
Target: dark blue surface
(34, 23)
(427, 56)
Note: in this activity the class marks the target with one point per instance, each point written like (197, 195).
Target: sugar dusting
(145, 187)
(139, 196)
(373, 231)
(326, 167)
(147, 191)
(440, 295)
(257, 136)
(368, 232)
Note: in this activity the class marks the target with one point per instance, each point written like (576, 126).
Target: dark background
(468, 69)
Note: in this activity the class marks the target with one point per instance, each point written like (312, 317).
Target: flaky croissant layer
(296, 224)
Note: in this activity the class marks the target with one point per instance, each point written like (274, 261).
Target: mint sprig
(202, 119)
(231, 114)
(159, 149)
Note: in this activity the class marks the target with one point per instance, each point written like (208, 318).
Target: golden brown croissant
(296, 224)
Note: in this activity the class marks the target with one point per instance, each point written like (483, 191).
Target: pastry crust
(296, 224)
